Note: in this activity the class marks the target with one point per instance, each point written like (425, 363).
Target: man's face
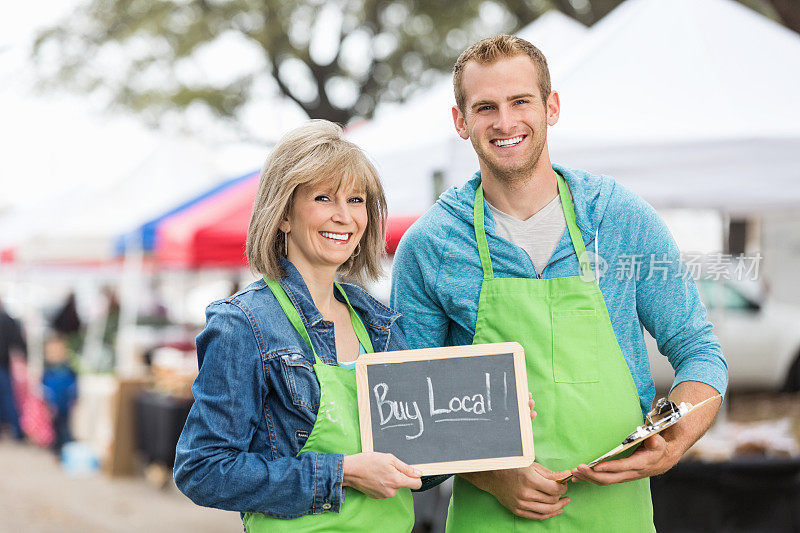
(505, 117)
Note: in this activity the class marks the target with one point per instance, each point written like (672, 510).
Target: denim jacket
(256, 400)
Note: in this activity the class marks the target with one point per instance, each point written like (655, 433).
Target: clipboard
(665, 414)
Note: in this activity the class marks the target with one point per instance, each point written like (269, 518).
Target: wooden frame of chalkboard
(480, 436)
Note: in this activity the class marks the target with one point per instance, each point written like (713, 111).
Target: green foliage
(337, 59)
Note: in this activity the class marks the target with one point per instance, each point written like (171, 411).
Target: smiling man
(503, 258)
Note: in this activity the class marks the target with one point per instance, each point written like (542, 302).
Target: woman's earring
(358, 250)
(286, 243)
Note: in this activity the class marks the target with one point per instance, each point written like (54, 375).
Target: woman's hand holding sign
(379, 475)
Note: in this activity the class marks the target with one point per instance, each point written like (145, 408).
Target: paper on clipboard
(664, 414)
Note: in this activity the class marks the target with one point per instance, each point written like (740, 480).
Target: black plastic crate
(749, 495)
(159, 421)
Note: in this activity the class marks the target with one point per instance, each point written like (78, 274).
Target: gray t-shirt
(538, 235)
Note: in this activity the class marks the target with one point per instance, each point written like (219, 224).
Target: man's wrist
(672, 454)
(482, 480)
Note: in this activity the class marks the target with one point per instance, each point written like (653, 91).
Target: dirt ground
(37, 496)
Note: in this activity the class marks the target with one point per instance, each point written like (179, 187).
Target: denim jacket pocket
(300, 380)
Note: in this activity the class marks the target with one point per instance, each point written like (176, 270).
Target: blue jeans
(8, 407)
(63, 433)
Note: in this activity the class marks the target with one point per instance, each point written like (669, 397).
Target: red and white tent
(212, 233)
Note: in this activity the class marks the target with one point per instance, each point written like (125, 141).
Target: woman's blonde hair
(310, 155)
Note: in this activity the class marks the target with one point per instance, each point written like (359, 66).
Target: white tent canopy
(411, 141)
(85, 226)
(690, 103)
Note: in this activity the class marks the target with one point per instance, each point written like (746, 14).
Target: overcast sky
(53, 144)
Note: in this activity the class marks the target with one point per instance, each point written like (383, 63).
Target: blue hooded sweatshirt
(437, 277)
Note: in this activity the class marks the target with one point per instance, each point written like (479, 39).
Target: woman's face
(324, 225)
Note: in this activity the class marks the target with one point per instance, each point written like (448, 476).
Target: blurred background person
(60, 388)
(110, 330)
(12, 344)
(67, 322)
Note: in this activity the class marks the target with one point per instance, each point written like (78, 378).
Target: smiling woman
(325, 225)
(273, 432)
(314, 158)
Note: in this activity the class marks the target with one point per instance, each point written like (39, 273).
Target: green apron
(336, 430)
(584, 392)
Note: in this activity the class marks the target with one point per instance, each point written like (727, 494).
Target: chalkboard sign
(447, 410)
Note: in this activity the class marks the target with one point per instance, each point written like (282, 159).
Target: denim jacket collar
(372, 312)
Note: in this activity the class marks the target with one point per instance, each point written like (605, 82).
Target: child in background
(60, 385)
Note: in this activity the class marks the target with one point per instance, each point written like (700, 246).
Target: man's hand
(529, 492)
(659, 453)
(651, 458)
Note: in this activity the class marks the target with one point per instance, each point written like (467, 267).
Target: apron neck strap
(569, 215)
(572, 226)
(480, 234)
(291, 313)
(294, 317)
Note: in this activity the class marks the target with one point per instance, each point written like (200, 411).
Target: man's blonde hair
(492, 49)
(309, 155)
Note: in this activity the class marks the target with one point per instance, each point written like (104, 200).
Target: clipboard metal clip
(664, 414)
